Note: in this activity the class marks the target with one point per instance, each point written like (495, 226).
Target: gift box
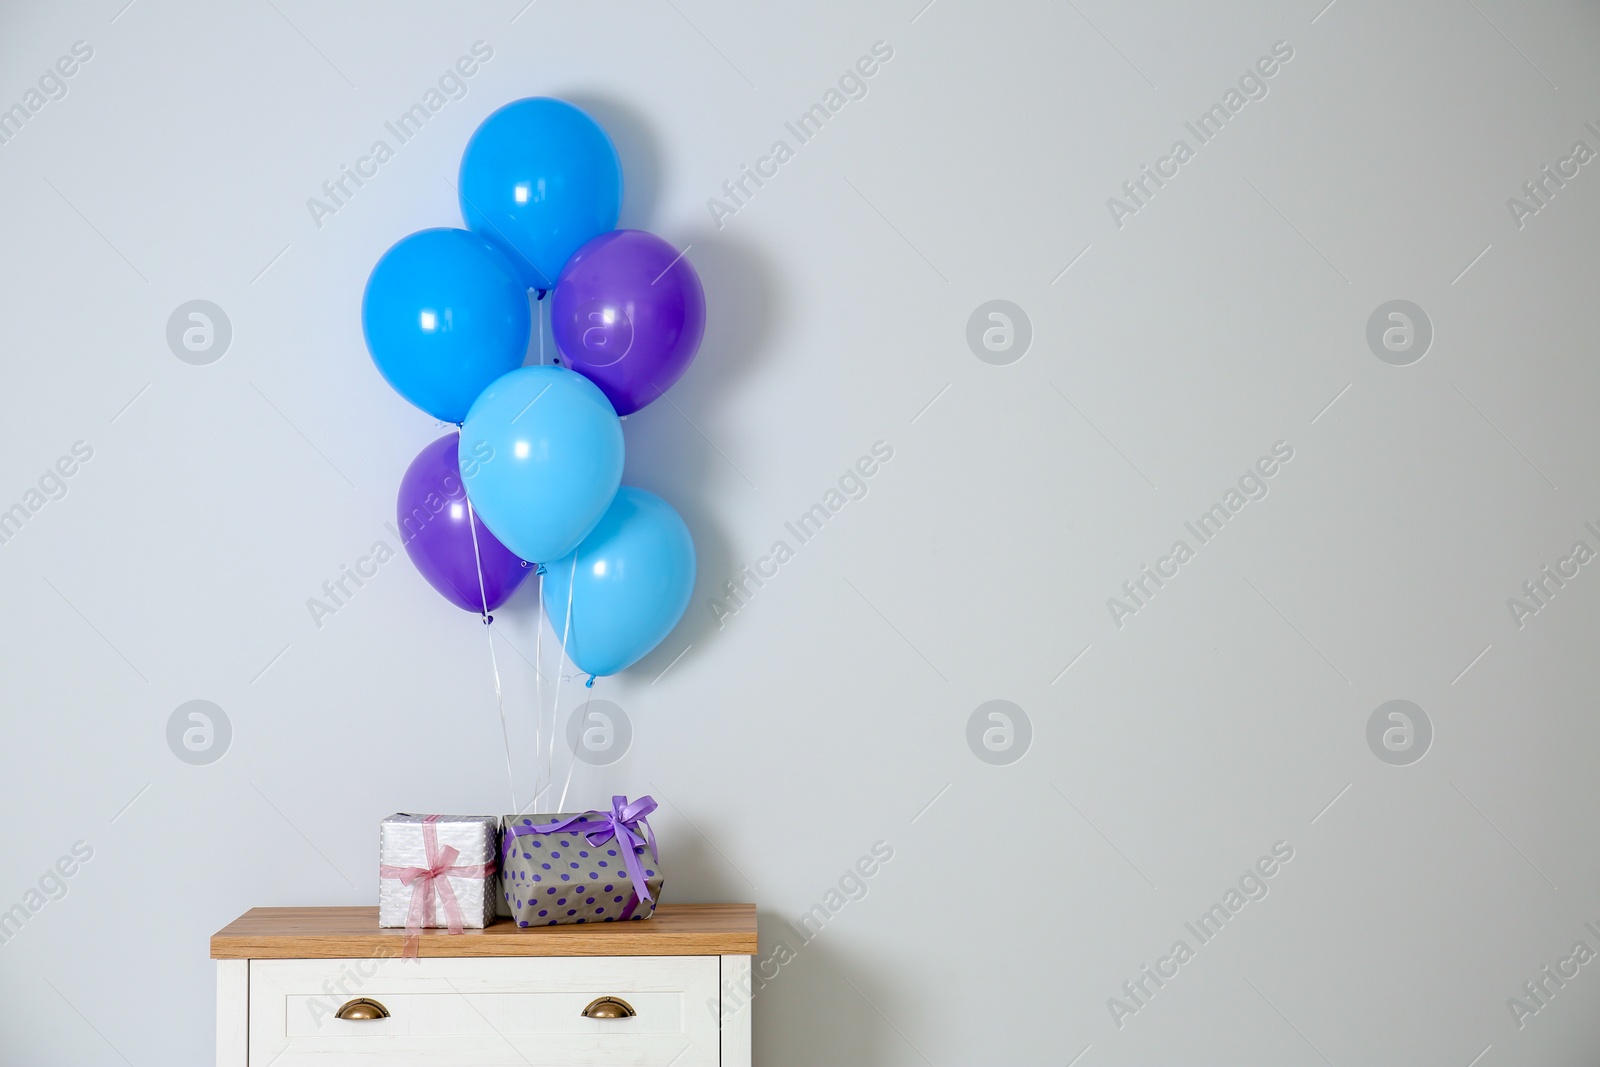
(437, 871)
(589, 867)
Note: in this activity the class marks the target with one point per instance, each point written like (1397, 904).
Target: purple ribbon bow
(625, 823)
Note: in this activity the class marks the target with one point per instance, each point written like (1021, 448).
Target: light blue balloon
(444, 315)
(541, 456)
(539, 178)
(630, 582)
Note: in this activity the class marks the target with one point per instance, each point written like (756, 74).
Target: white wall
(831, 712)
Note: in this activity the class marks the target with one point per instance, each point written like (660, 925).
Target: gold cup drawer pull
(609, 1008)
(361, 1008)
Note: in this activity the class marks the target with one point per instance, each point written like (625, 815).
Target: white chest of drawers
(326, 987)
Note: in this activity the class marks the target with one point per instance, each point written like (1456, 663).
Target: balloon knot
(539, 569)
(540, 293)
(487, 619)
(590, 683)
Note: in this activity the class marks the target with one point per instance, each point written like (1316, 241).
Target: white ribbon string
(583, 717)
(540, 776)
(555, 712)
(538, 696)
(494, 662)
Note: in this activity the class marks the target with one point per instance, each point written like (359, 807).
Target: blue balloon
(444, 315)
(541, 455)
(539, 178)
(630, 582)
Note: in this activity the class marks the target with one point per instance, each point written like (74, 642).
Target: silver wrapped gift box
(410, 878)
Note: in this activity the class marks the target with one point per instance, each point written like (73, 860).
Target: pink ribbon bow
(434, 878)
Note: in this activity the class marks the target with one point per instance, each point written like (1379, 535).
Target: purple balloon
(432, 511)
(628, 314)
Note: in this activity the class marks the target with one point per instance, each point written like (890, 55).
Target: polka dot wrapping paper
(562, 876)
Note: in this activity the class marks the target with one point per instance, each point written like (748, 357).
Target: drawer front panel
(516, 1012)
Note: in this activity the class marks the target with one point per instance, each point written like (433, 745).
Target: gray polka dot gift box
(594, 867)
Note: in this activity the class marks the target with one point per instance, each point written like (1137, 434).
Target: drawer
(523, 1012)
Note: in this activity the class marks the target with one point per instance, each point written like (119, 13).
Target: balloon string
(555, 712)
(494, 662)
(583, 718)
(539, 326)
(538, 691)
(540, 775)
(538, 684)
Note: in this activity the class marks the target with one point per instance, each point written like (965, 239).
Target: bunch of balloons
(533, 474)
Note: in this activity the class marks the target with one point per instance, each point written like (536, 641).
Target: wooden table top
(350, 932)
